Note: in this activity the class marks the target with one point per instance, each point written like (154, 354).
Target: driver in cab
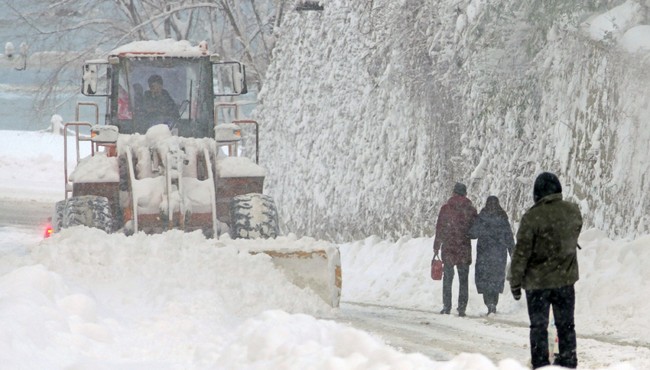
(159, 107)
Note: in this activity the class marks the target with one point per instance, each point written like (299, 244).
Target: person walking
(545, 264)
(494, 245)
(454, 245)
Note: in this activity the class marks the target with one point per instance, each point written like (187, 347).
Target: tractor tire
(57, 217)
(88, 210)
(102, 214)
(253, 216)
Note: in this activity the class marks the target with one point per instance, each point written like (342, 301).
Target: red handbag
(436, 268)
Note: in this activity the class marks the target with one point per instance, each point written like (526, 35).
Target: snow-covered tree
(81, 29)
(388, 103)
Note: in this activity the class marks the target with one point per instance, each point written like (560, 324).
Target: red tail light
(48, 231)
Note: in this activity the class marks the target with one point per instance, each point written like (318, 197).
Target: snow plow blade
(316, 269)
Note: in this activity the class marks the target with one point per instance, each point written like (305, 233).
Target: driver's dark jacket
(545, 255)
(160, 106)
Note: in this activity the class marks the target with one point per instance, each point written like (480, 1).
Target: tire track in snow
(443, 337)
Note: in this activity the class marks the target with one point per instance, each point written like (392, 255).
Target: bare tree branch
(236, 30)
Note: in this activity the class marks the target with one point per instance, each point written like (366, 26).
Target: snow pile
(277, 340)
(153, 287)
(623, 25)
(612, 24)
(167, 47)
(98, 168)
(132, 263)
(239, 167)
(637, 39)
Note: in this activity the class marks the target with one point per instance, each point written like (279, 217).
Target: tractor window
(171, 91)
(123, 100)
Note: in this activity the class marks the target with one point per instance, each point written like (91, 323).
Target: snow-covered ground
(86, 300)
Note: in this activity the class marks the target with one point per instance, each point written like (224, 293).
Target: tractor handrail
(168, 189)
(213, 191)
(134, 197)
(87, 103)
(78, 138)
(219, 105)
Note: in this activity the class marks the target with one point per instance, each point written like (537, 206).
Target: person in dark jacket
(452, 239)
(545, 264)
(494, 245)
(159, 107)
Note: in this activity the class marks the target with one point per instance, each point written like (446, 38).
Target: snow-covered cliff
(371, 110)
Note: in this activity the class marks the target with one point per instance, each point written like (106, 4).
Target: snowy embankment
(388, 105)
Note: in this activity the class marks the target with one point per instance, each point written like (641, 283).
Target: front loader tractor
(169, 154)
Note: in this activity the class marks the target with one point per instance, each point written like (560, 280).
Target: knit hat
(546, 184)
(460, 189)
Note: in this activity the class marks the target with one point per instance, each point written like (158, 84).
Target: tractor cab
(147, 85)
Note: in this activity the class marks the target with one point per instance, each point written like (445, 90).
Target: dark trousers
(463, 290)
(563, 302)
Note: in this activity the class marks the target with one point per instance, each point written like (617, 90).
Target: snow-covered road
(438, 336)
(23, 213)
(441, 337)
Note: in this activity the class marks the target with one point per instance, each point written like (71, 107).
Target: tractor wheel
(253, 216)
(57, 217)
(88, 210)
(102, 214)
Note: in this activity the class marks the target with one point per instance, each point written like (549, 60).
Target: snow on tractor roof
(167, 47)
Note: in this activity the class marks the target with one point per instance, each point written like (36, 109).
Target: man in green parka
(545, 264)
